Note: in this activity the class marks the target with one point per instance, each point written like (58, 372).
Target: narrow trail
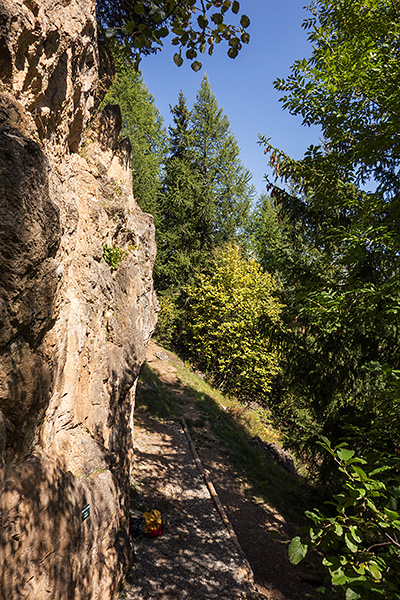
(195, 558)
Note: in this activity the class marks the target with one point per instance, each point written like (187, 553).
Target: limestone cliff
(73, 332)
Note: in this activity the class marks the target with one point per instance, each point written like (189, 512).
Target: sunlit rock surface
(73, 333)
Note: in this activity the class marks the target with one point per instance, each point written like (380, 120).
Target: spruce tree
(206, 193)
(179, 250)
(225, 182)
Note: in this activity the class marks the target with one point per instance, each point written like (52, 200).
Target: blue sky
(244, 86)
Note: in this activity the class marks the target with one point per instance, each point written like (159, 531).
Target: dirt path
(195, 558)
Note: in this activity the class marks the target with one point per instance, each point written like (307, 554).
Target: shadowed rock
(73, 333)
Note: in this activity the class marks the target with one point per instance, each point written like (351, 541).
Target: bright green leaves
(343, 354)
(345, 455)
(114, 255)
(352, 595)
(195, 27)
(231, 313)
(360, 543)
(350, 543)
(350, 87)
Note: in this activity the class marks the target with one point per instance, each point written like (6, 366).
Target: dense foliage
(206, 190)
(179, 249)
(340, 220)
(325, 356)
(230, 309)
(343, 349)
(360, 539)
(196, 27)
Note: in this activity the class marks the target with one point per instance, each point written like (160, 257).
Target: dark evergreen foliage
(143, 124)
(206, 192)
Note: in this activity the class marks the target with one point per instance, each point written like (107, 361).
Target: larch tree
(142, 123)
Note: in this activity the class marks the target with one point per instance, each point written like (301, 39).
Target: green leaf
(345, 454)
(360, 472)
(163, 32)
(360, 569)
(338, 528)
(354, 533)
(352, 595)
(139, 41)
(332, 562)
(297, 550)
(232, 52)
(129, 27)
(350, 543)
(202, 21)
(191, 53)
(178, 60)
(325, 441)
(196, 65)
(244, 21)
(339, 577)
(379, 470)
(392, 515)
(374, 570)
(217, 18)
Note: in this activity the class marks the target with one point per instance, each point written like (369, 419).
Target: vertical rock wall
(73, 332)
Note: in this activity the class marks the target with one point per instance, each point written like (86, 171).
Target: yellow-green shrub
(230, 316)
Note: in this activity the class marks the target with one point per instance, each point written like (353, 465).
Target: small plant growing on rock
(113, 255)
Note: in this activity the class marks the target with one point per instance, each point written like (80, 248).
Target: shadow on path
(260, 498)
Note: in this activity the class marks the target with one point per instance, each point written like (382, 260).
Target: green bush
(361, 539)
(230, 316)
(167, 322)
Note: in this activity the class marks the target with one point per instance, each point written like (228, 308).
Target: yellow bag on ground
(153, 525)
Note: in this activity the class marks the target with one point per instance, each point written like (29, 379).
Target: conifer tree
(143, 124)
(225, 182)
(178, 239)
(207, 191)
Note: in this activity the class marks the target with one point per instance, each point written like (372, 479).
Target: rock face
(73, 331)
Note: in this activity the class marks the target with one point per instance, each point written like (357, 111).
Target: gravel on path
(194, 558)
